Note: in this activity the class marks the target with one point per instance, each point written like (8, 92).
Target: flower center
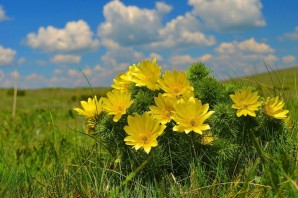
(269, 110)
(177, 89)
(168, 114)
(120, 108)
(144, 139)
(245, 105)
(192, 122)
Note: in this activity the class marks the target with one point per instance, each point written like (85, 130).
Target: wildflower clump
(274, 108)
(190, 116)
(175, 84)
(116, 103)
(164, 109)
(92, 108)
(143, 131)
(173, 119)
(245, 102)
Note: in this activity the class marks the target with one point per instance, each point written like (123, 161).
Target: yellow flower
(186, 95)
(246, 102)
(274, 108)
(147, 74)
(121, 84)
(129, 75)
(116, 104)
(175, 83)
(143, 130)
(91, 108)
(190, 116)
(164, 109)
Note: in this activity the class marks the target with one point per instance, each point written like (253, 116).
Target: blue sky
(51, 42)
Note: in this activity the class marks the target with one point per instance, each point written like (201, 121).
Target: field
(45, 152)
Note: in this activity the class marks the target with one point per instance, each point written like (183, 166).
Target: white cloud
(290, 59)
(15, 74)
(205, 58)
(96, 75)
(236, 58)
(155, 55)
(249, 45)
(183, 61)
(21, 60)
(162, 8)
(178, 61)
(292, 35)
(270, 59)
(182, 31)
(229, 14)
(130, 31)
(3, 16)
(75, 36)
(7, 55)
(34, 77)
(30, 81)
(131, 25)
(119, 57)
(66, 59)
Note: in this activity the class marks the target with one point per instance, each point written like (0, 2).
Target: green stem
(255, 143)
(131, 175)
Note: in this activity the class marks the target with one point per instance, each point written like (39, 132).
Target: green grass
(45, 153)
(283, 80)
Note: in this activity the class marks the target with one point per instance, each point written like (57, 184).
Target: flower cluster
(247, 103)
(174, 102)
(181, 117)
(175, 105)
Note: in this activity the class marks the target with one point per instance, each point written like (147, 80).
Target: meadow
(45, 152)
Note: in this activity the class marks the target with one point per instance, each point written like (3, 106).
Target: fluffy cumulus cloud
(75, 36)
(241, 58)
(61, 77)
(3, 16)
(155, 55)
(183, 61)
(229, 14)
(131, 25)
(96, 75)
(292, 35)
(250, 45)
(7, 55)
(290, 59)
(129, 31)
(30, 81)
(15, 74)
(182, 31)
(66, 59)
(7, 79)
(119, 57)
